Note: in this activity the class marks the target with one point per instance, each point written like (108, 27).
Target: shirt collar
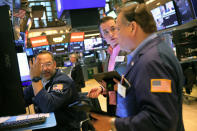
(141, 45)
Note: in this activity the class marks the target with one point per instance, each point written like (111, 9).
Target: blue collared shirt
(121, 109)
(133, 53)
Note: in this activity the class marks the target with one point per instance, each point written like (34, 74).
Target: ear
(54, 63)
(133, 27)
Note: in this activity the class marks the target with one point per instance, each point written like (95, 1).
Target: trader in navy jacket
(149, 94)
(52, 91)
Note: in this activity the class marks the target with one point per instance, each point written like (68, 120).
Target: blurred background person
(76, 72)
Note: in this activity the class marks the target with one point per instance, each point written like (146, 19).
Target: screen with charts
(165, 16)
(60, 48)
(93, 43)
(76, 46)
(23, 66)
(36, 50)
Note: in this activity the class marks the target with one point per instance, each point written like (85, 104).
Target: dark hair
(139, 13)
(45, 52)
(105, 19)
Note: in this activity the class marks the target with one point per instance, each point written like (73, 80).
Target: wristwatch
(36, 79)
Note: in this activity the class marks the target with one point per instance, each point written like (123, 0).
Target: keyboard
(22, 123)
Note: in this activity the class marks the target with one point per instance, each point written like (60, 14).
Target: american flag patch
(58, 87)
(161, 85)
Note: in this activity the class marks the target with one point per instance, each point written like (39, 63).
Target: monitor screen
(87, 54)
(17, 4)
(76, 46)
(21, 39)
(62, 5)
(67, 63)
(29, 52)
(185, 11)
(194, 5)
(107, 7)
(165, 16)
(36, 50)
(84, 17)
(60, 48)
(112, 14)
(93, 43)
(23, 66)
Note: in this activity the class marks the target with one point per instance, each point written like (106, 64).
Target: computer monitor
(185, 10)
(36, 50)
(87, 54)
(76, 46)
(59, 49)
(11, 93)
(165, 16)
(24, 69)
(107, 8)
(93, 43)
(29, 51)
(112, 14)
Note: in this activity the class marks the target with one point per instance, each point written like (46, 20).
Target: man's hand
(35, 68)
(102, 122)
(95, 92)
(116, 85)
(35, 71)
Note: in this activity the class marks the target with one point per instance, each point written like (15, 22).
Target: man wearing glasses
(150, 93)
(51, 91)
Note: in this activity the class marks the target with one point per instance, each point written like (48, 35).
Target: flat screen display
(112, 14)
(107, 7)
(62, 5)
(194, 5)
(60, 48)
(93, 43)
(185, 11)
(29, 52)
(84, 17)
(87, 54)
(23, 66)
(165, 16)
(76, 46)
(21, 39)
(36, 50)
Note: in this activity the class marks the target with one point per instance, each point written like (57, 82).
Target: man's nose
(111, 33)
(44, 67)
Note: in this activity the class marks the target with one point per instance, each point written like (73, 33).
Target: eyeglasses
(107, 32)
(46, 64)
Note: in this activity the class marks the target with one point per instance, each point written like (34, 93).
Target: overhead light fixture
(158, 3)
(96, 34)
(150, 1)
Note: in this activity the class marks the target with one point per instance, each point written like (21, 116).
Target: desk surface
(50, 122)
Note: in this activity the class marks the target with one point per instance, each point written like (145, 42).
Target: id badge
(119, 59)
(122, 90)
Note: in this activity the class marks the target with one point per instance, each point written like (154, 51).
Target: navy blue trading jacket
(50, 99)
(152, 111)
